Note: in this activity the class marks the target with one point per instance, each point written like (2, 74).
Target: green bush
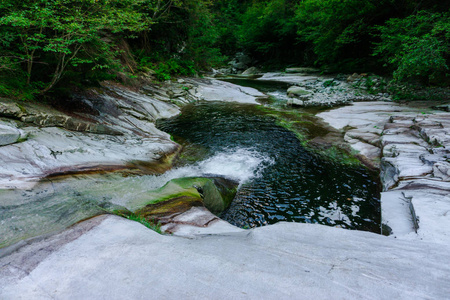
(416, 46)
(44, 39)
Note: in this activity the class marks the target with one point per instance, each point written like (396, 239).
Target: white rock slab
(217, 90)
(359, 114)
(52, 150)
(8, 135)
(122, 259)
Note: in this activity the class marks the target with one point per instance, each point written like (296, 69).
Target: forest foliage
(47, 46)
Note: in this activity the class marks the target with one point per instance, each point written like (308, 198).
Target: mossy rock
(179, 195)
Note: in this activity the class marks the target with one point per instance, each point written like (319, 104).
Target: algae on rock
(181, 194)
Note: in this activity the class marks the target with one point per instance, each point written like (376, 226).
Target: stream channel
(279, 179)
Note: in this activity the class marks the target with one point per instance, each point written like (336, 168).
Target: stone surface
(325, 91)
(8, 135)
(119, 259)
(296, 91)
(413, 144)
(122, 133)
(251, 71)
(216, 90)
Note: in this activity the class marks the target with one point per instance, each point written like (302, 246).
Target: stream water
(287, 182)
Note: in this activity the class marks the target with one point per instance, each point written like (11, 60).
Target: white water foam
(239, 164)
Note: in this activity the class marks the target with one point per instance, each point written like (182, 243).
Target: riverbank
(111, 257)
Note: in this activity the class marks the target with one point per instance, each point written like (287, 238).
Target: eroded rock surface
(67, 143)
(411, 146)
(9, 135)
(114, 258)
(117, 130)
(122, 259)
(187, 203)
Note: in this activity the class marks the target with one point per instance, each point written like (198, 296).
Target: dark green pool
(290, 183)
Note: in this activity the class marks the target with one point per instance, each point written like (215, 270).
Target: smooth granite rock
(115, 258)
(8, 135)
(413, 145)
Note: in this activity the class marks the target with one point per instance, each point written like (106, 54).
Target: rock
(353, 77)
(251, 71)
(241, 61)
(216, 90)
(8, 135)
(296, 91)
(415, 171)
(223, 72)
(441, 170)
(444, 107)
(176, 93)
(123, 132)
(171, 204)
(111, 257)
(218, 194)
(302, 70)
(9, 109)
(326, 91)
(295, 102)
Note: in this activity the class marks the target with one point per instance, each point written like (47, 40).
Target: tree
(417, 46)
(59, 33)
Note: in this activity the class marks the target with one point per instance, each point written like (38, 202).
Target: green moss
(152, 224)
(304, 126)
(179, 195)
(22, 108)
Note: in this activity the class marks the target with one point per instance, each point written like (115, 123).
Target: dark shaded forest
(48, 47)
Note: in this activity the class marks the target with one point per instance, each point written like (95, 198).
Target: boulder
(296, 91)
(8, 135)
(216, 90)
(441, 170)
(445, 107)
(295, 102)
(180, 195)
(251, 71)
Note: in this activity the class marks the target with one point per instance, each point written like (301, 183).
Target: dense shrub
(417, 46)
